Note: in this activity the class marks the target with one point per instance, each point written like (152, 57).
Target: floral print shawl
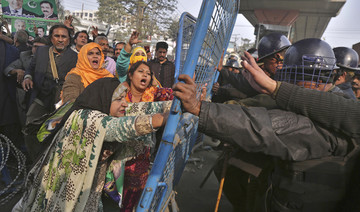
(62, 179)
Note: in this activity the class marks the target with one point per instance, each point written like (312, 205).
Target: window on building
(90, 15)
(77, 14)
(86, 14)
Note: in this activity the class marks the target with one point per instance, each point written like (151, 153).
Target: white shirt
(17, 12)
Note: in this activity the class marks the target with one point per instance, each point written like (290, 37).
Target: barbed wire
(11, 189)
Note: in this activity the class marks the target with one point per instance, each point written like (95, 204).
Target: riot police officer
(347, 60)
(313, 164)
(271, 50)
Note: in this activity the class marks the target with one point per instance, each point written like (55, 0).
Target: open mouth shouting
(141, 83)
(141, 77)
(94, 63)
(144, 82)
(94, 57)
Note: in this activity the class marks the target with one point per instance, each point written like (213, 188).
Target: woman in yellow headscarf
(128, 57)
(89, 67)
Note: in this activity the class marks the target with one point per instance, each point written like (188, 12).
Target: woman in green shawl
(70, 175)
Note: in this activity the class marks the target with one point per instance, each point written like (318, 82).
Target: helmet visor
(314, 72)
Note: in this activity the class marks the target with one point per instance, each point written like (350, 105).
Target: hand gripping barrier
(199, 47)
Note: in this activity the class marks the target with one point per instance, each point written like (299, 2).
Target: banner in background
(41, 10)
(28, 25)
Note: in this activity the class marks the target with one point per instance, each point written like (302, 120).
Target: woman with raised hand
(129, 56)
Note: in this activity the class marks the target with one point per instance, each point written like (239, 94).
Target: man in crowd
(9, 121)
(164, 70)
(21, 38)
(148, 53)
(118, 47)
(15, 9)
(48, 10)
(110, 64)
(110, 52)
(45, 78)
(80, 39)
(347, 60)
(17, 70)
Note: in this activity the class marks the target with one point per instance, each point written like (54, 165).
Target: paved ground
(190, 196)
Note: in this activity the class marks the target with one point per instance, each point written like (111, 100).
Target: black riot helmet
(308, 60)
(272, 43)
(232, 63)
(346, 58)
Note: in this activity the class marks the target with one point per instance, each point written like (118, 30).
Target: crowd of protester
(65, 79)
(85, 113)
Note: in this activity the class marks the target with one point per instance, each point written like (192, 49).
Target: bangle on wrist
(151, 124)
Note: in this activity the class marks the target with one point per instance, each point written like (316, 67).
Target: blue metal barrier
(186, 30)
(198, 52)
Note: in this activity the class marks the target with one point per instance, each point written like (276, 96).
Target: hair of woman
(133, 69)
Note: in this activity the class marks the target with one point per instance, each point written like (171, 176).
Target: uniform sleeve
(122, 65)
(128, 128)
(278, 133)
(239, 82)
(330, 110)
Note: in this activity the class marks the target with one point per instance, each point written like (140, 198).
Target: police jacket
(331, 111)
(238, 81)
(278, 133)
(323, 159)
(346, 87)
